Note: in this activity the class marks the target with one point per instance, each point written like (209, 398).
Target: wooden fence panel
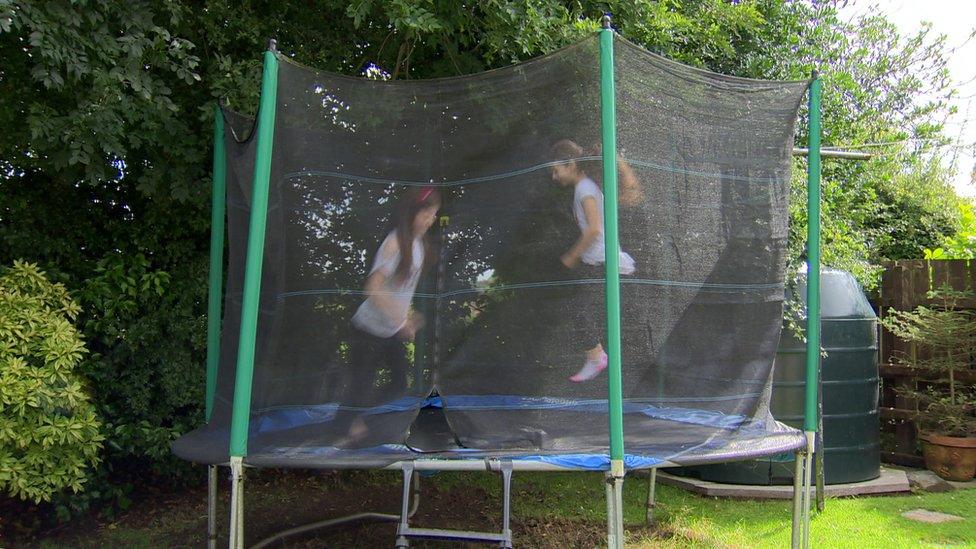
(904, 286)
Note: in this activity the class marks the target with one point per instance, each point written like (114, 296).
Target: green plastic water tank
(850, 392)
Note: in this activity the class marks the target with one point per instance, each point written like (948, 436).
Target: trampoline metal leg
(415, 488)
(237, 503)
(507, 504)
(405, 514)
(618, 485)
(611, 523)
(797, 499)
(651, 485)
(211, 507)
(821, 489)
(807, 487)
(615, 518)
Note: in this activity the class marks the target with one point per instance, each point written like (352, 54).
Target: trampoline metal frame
(411, 501)
(616, 473)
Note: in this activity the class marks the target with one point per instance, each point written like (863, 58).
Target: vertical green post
(255, 256)
(217, 211)
(813, 260)
(608, 110)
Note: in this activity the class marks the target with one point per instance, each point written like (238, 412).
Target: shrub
(148, 344)
(943, 339)
(49, 435)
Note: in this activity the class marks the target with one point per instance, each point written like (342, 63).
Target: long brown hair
(415, 200)
(569, 150)
(628, 187)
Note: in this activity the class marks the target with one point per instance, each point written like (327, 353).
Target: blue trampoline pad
(304, 436)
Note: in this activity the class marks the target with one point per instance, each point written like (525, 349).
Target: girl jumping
(587, 254)
(385, 319)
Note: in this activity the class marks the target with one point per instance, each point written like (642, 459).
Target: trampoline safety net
(415, 295)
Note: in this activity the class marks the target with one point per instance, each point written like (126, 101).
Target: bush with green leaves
(961, 245)
(943, 344)
(49, 435)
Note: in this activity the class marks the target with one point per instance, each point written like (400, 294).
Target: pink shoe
(591, 369)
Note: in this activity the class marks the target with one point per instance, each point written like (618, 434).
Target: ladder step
(457, 535)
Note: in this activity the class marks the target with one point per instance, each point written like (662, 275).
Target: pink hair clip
(424, 194)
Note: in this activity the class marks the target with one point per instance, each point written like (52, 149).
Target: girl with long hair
(385, 321)
(588, 255)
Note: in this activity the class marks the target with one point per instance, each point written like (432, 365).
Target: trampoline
(576, 263)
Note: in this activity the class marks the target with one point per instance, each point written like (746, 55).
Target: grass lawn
(689, 520)
(549, 510)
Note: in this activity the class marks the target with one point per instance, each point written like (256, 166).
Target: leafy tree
(103, 181)
(962, 244)
(879, 87)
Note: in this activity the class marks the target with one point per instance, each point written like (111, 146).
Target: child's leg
(395, 358)
(366, 353)
(359, 388)
(590, 319)
(595, 352)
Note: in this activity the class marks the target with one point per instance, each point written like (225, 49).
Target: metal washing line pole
(835, 153)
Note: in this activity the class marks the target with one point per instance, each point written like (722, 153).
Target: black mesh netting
(497, 164)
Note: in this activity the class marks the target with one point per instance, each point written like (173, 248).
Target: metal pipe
(404, 527)
(807, 473)
(323, 524)
(236, 538)
(821, 499)
(618, 501)
(835, 153)
(613, 536)
(507, 504)
(649, 507)
(796, 532)
(211, 507)
(415, 488)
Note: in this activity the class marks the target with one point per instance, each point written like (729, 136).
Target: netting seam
(523, 171)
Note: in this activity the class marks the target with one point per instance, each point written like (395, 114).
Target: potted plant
(942, 340)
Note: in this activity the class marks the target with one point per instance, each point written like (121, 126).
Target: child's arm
(594, 225)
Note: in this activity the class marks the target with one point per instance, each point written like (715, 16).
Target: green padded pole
(813, 260)
(608, 110)
(255, 257)
(218, 208)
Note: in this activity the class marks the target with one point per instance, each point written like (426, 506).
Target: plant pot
(952, 458)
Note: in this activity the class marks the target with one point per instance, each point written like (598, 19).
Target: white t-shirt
(595, 254)
(369, 317)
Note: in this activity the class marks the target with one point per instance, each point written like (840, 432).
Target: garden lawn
(549, 510)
